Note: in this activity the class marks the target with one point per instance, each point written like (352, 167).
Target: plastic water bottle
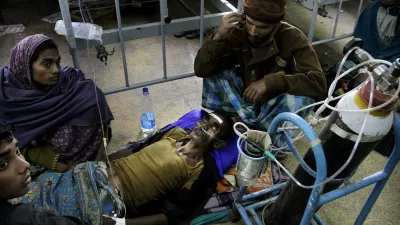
(147, 118)
(81, 30)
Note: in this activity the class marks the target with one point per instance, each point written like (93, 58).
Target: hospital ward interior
(195, 112)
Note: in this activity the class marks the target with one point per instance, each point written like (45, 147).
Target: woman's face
(46, 69)
(14, 171)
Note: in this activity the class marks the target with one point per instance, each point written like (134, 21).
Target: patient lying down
(170, 165)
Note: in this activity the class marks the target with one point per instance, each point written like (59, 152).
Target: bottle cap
(145, 90)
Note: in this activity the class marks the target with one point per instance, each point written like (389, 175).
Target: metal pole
(153, 29)
(273, 188)
(262, 203)
(240, 5)
(255, 216)
(121, 42)
(371, 201)
(313, 21)
(315, 43)
(148, 83)
(75, 57)
(64, 8)
(338, 193)
(243, 213)
(358, 13)
(163, 14)
(239, 197)
(318, 219)
(388, 169)
(337, 18)
(201, 22)
(307, 207)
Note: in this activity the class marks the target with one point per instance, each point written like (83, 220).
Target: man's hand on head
(256, 93)
(230, 22)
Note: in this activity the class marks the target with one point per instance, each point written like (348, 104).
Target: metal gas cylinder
(338, 137)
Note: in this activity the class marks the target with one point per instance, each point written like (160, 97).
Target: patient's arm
(158, 219)
(120, 154)
(133, 147)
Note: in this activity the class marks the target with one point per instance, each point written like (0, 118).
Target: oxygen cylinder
(338, 137)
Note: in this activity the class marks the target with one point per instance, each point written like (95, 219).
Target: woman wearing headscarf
(57, 114)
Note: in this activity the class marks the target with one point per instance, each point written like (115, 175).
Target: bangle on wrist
(55, 161)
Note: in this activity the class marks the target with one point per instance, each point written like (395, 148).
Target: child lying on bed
(170, 166)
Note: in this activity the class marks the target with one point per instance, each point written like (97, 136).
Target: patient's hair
(5, 132)
(227, 125)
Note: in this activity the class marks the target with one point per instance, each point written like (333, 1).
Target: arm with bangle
(46, 157)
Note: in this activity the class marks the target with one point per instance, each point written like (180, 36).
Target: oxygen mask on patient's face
(201, 130)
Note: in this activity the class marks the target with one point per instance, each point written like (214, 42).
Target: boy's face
(14, 171)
